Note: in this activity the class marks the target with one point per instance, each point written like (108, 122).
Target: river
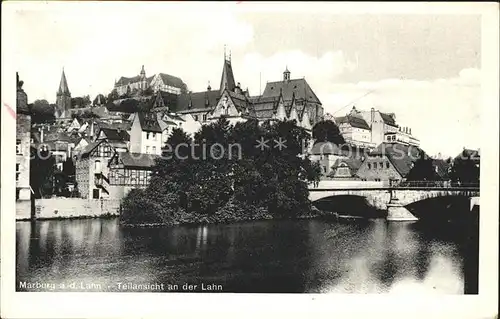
(316, 256)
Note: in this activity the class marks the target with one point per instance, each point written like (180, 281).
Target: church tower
(63, 100)
(227, 78)
(144, 83)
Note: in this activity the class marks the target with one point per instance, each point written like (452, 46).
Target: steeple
(63, 98)
(143, 72)
(286, 74)
(227, 78)
(63, 86)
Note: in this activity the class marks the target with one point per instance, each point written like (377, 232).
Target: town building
(355, 130)
(368, 129)
(145, 134)
(346, 168)
(92, 171)
(159, 82)
(389, 162)
(297, 91)
(23, 141)
(128, 171)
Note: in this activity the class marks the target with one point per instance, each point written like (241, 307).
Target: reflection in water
(265, 256)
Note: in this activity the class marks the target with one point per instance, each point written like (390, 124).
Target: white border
(145, 305)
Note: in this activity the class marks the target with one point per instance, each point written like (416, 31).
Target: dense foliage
(220, 175)
(327, 131)
(464, 169)
(423, 170)
(42, 112)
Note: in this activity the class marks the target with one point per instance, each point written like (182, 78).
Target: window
(147, 149)
(204, 117)
(381, 165)
(374, 165)
(387, 165)
(369, 166)
(17, 193)
(17, 172)
(154, 149)
(95, 193)
(147, 135)
(195, 117)
(154, 136)
(18, 147)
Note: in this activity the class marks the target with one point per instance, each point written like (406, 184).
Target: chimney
(409, 130)
(372, 114)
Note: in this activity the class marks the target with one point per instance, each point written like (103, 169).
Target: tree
(422, 170)
(42, 112)
(327, 131)
(99, 99)
(41, 178)
(464, 170)
(112, 96)
(221, 176)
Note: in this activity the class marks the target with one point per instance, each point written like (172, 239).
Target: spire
(227, 78)
(286, 74)
(209, 88)
(63, 86)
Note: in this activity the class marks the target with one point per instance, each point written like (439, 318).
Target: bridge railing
(432, 184)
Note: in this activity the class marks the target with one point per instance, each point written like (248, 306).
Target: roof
(241, 103)
(227, 78)
(149, 122)
(354, 121)
(89, 148)
(171, 80)
(353, 163)
(204, 100)
(388, 119)
(137, 160)
(63, 85)
(124, 80)
(300, 87)
(401, 156)
(115, 134)
(165, 99)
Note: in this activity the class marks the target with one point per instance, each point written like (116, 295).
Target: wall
(150, 141)
(341, 184)
(23, 209)
(82, 176)
(75, 207)
(136, 136)
(23, 133)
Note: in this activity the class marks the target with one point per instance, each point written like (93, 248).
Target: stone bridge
(393, 198)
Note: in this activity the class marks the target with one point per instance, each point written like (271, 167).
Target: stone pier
(397, 212)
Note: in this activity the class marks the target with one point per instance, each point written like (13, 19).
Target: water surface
(367, 256)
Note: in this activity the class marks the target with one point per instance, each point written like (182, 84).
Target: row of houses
(389, 161)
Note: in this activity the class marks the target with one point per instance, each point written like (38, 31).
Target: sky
(424, 68)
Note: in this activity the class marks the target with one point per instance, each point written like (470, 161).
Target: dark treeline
(235, 182)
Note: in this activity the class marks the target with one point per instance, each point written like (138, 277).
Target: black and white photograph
(201, 148)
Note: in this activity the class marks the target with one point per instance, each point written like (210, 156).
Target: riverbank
(224, 218)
